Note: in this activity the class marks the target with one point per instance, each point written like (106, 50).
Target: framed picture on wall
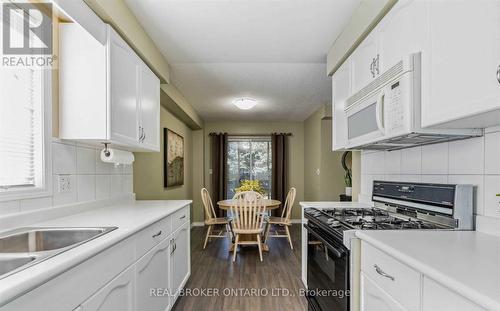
(173, 165)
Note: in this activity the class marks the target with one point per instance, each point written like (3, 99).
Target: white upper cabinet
(463, 83)
(107, 93)
(365, 61)
(404, 30)
(150, 109)
(459, 43)
(341, 90)
(124, 90)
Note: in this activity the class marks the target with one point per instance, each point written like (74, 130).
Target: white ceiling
(273, 51)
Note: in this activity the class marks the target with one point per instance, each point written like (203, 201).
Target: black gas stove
(397, 206)
(340, 219)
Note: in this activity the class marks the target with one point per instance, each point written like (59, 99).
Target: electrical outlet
(64, 183)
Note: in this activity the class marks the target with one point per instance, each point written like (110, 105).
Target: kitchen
(298, 155)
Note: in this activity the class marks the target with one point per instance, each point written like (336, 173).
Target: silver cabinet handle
(172, 246)
(382, 273)
(184, 216)
(372, 67)
(377, 64)
(498, 73)
(156, 234)
(141, 134)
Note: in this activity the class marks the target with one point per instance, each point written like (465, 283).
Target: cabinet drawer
(152, 235)
(437, 297)
(373, 298)
(394, 277)
(180, 217)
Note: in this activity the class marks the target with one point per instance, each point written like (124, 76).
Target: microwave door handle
(379, 112)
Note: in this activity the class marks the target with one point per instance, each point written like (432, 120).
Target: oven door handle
(336, 252)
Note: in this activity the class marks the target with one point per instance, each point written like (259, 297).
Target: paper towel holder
(106, 151)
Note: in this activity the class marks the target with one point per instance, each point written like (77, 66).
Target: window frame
(44, 189)
(251, 139)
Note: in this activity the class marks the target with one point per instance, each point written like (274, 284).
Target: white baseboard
(197, 224)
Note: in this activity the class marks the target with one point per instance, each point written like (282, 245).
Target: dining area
(248, 219)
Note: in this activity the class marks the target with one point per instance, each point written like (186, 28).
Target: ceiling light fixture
(245, 103)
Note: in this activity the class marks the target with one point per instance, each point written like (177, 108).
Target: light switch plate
(64, 182)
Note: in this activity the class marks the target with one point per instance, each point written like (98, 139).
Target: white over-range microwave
(385, 115)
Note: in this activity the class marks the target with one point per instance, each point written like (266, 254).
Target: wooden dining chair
(284, 220)
(247, 220)
(211, 218)
(248, 196)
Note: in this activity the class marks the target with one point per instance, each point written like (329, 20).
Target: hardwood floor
(213, 268)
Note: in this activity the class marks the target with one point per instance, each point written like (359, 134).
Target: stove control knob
(334, 223)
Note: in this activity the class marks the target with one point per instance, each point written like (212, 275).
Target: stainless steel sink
(24, 247)
(11, 263)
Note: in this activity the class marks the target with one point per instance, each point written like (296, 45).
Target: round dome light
(245, 103)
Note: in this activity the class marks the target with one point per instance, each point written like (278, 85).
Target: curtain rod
(239, 134)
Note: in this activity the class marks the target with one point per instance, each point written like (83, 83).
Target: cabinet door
(361, 61)
(123, 79)
(341, 90)
(437, 297)
(118, 294)
(180, 260)
(404, 30)
(464, 57)
(373, 298)
(150, 108)
(152, 272)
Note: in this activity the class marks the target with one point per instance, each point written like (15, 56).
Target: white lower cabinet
(119, 294)
(153, 274)
(142, 272)
(180, 268)
(373, 298)
(388, 284)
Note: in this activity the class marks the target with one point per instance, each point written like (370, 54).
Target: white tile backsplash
(435, 179)
(63, 158)
(90, 179)
(435, 159)
(86, 188)
(466, 156)
(473, 161)
(116, 185)
(411, 161)
(492, 153)
(491, 201)
(393, 162)
(85, 160)
(102, 186)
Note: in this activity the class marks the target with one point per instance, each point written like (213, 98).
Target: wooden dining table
(269, 204)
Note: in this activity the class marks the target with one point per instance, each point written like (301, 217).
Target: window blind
(21, 149)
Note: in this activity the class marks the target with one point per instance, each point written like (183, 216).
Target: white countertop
(334, 204)
(128, 217)
(467, 262)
